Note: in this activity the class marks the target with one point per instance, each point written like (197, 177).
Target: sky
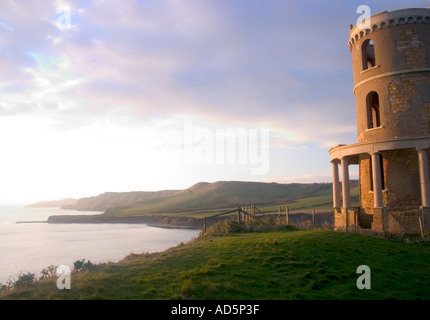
(113, 96)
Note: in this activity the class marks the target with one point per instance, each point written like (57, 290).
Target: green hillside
(205, 198)
(284, 265)
(108, 200)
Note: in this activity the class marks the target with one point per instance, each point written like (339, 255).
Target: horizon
(162, 95)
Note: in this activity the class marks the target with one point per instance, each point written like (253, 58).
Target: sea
(31, 247)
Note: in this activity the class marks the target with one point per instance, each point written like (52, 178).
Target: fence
(247, 213)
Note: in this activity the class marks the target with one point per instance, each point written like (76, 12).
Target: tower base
(383, 220)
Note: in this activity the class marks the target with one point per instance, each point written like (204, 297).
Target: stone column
(424, 177)
(377, 183)
(336, 184)
(346, 194)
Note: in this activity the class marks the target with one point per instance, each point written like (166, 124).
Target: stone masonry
(391, 69)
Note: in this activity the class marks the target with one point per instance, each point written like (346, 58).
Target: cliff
(200, 197)
(55, 203)
(108, 200)
(223, 194)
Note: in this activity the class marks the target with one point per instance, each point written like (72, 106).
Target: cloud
(218, 59)
(130, 65)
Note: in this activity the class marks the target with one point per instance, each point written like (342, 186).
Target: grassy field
(282, 265)
(320, 200)
(207, 198)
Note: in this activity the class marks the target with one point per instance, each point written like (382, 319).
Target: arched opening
(368, 51)
(373, 116)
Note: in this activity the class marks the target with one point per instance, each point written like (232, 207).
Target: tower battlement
(388, 19)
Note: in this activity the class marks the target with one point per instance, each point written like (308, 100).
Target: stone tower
(391, 68)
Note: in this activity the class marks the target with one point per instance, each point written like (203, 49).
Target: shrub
(81, 265)
(24, 280)
(4, 287)
(264, 224)
(49, 271)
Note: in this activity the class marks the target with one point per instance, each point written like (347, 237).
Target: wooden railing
(250, 212)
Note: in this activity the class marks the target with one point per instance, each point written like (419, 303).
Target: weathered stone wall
(406, 220)
(425, 117)
(345, 219)
(413, 49)
(366, 196)
(426, 218)
(397, 48)
(404, 107)
(339, 219)
(379, 223)
(401, 196)
(401, 220)
(400, 92)
(403, 181)
(399, 78)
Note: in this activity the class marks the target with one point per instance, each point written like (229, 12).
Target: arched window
(368, 52)
(373, 116)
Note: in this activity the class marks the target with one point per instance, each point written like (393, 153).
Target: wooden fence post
(313, 217)
(421, 227)
(204, 225)
(279, 212)
(287, 213)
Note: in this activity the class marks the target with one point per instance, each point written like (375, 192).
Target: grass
(271, 265)
(219, 196)
(320, 203)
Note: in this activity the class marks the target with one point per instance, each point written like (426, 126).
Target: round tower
(391, 70)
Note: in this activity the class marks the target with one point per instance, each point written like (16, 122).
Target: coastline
(97, 242)
(158, 221)
(177, 222)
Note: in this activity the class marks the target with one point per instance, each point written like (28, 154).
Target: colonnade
(377, 180)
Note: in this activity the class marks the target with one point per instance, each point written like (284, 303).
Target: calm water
(31, 247)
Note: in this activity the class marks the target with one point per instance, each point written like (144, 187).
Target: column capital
(335, 161)
(422, 149)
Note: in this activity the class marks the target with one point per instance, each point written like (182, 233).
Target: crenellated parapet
(387, 19)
